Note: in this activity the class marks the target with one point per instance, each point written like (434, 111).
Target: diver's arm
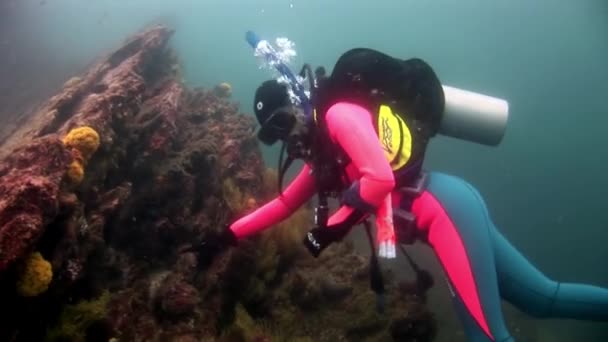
(301, 189)
(351, 127)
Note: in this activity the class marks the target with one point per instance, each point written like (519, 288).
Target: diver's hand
(212, 244)
(317, 239)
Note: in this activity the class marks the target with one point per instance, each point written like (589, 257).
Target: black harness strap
(375, 272)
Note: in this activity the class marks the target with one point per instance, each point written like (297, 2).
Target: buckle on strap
(405, 221)
(417, 186)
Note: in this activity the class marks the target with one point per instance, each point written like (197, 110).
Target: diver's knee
(542, 306)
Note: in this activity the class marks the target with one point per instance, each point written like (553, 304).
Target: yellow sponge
(35, 277)
(223, 90)
(85, 139)
(82, 142)
(75, 172)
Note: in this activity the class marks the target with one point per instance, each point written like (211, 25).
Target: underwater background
(545, 184)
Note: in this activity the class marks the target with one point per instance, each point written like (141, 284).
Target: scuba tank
(473, 117)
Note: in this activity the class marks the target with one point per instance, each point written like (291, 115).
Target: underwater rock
(184, 338)
(305, 293)
(99, 331)
(109, 202)
(106, 95)
(29, 191)
(223, 90)
(32, 172)
(38, 207)
(67, 202)
(121, 307)
(333, 290)
(75, 320)
(186, 265)
(155, 281)
(177, 298)
(420, 328)
(157, 119)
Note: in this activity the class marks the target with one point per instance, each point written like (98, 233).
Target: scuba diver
(365, 144)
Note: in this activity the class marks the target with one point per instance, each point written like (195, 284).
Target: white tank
(473, 116)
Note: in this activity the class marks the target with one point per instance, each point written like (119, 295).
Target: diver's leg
(459, 231)
(531, 291)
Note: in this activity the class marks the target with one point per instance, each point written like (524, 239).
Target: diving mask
(278, 126)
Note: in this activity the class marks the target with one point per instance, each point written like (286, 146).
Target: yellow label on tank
(395, 137)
